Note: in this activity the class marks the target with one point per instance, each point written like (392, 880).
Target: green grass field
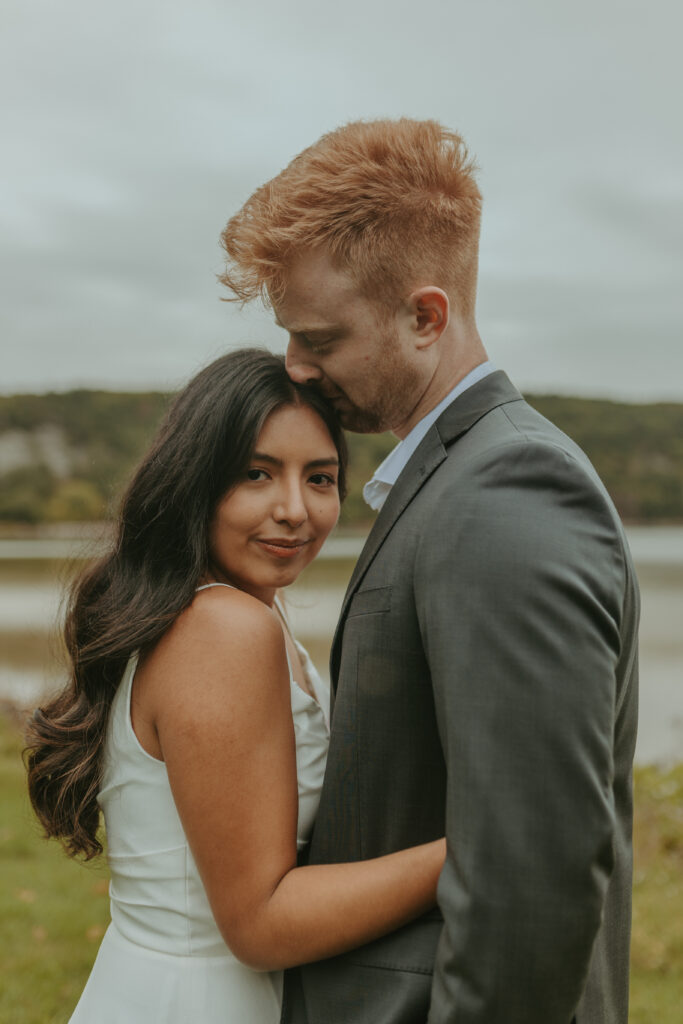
(657, 938)
(54, 912)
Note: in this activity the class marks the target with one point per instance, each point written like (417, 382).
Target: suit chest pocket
(367, 638)
(370, 602)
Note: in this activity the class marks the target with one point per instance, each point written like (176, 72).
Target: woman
(197, 725)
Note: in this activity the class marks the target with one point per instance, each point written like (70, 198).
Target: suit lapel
(402, 493)
(456, 420)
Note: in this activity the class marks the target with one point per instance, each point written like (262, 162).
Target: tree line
(67, 456)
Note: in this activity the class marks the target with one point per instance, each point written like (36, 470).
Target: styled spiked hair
(394, 203)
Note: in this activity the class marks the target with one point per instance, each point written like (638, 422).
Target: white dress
(162, 959)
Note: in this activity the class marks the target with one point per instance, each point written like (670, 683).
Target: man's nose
(299, 365)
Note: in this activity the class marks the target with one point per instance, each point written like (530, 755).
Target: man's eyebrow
(313, 331)
(264, 457)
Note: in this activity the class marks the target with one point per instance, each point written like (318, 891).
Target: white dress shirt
(376, 491)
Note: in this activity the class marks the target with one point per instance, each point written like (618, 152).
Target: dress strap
(287, 629)
(281, 612)
(205, 586)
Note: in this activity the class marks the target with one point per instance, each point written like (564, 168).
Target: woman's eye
(323, 480)
(257, 474)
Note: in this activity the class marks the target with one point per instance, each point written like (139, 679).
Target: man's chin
(359, 421)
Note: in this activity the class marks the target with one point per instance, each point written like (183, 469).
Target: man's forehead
(316, 294)
(315, 268)
(306, 312)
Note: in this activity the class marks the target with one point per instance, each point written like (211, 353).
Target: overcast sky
(134, 129)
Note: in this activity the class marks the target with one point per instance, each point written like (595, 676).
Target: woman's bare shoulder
(222, 638)
(219, 607)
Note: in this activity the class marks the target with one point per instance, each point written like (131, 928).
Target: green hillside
(636, 449)
(66, 457)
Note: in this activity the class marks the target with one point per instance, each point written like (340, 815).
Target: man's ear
(430, 308)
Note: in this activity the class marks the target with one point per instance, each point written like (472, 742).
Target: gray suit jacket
(485, 668)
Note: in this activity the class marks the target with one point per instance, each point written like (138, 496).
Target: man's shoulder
(493, 447)
(514, 455)
(506, 430)
(493, 412)
(527, 422)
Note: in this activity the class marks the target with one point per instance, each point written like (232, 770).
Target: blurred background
(133, 131)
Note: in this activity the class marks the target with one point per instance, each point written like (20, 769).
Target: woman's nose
(291, 507)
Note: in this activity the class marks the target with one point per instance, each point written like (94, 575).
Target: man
(484, 666)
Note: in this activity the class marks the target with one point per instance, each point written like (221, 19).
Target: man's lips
(283, 547)
(331, 396)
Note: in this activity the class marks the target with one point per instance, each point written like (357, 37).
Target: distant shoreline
(35, 567)
(652, 544)
(102, 529)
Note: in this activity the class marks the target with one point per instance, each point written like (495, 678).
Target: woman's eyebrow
(322, 462)
(264, 457)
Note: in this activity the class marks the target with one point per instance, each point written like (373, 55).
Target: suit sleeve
(518, 589)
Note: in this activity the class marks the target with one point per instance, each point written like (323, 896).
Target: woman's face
(273, 522)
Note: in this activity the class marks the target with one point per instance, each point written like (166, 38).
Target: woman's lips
(282, 548)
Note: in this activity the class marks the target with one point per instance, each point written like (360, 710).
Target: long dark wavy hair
(126, 600)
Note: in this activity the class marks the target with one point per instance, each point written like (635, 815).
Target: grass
(53, 912)
(657, 937)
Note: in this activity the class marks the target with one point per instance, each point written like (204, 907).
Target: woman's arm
(217, 688)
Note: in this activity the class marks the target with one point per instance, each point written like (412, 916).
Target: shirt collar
(377, 490)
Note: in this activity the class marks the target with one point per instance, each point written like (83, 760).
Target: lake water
(33, 572)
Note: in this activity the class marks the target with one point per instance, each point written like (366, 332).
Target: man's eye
(257, 474)
(323, 480)
(316, 344)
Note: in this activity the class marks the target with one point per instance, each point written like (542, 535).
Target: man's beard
(391, 408)
(394, 399)
(361, 421)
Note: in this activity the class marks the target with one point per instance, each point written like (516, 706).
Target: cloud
(136, 129)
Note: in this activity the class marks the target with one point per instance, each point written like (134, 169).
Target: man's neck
(446, 378)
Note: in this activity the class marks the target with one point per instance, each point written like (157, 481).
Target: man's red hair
(394, 203)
